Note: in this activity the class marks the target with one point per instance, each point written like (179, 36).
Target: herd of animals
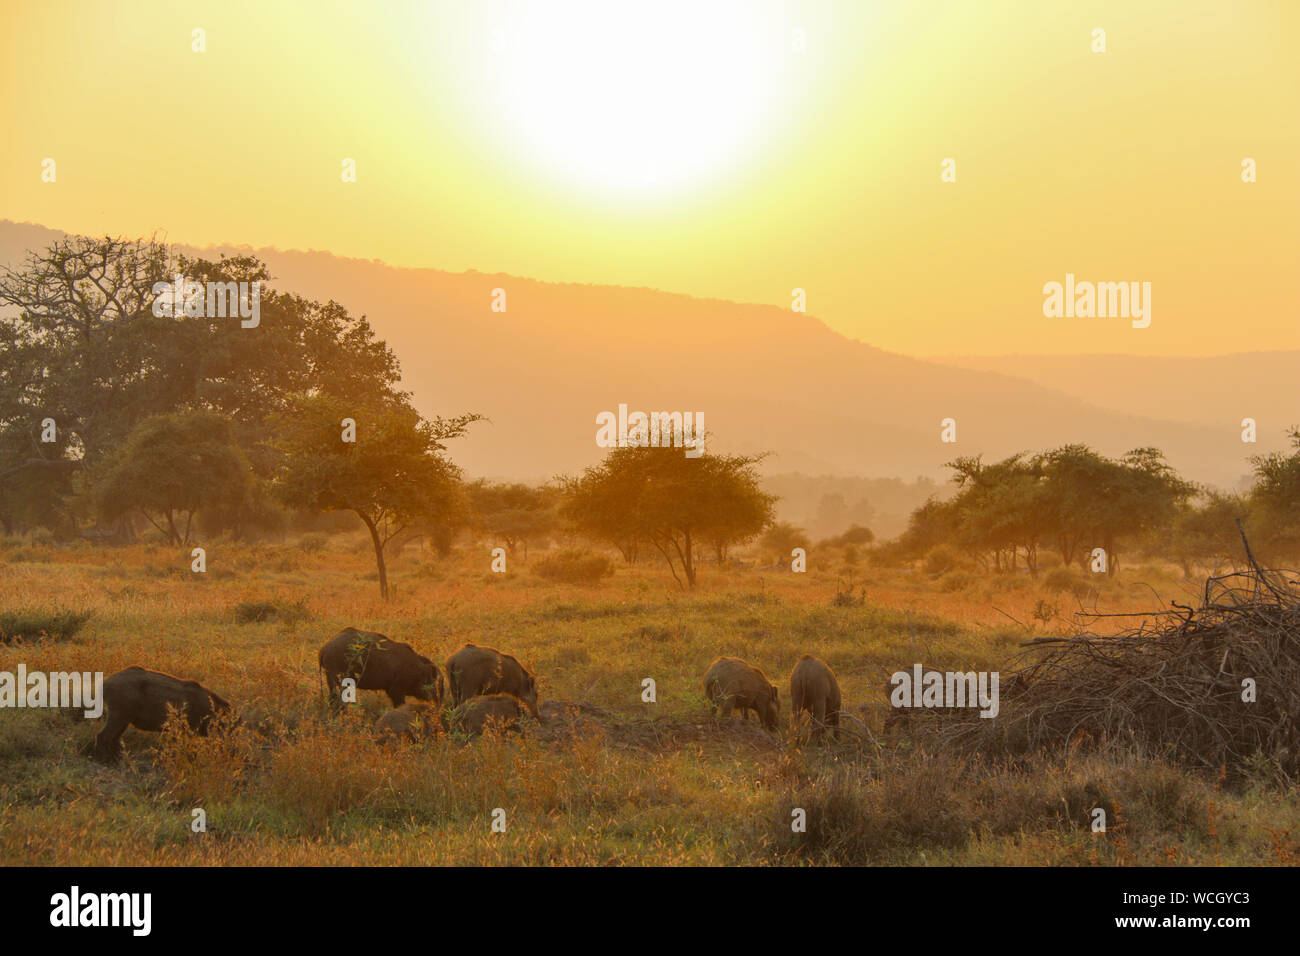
(487, 688)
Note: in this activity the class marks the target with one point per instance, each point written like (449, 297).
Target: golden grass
(658, 784)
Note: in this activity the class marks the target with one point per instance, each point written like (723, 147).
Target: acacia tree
(675, 503)
(394, 475)
(1206, 530)
(173, 465)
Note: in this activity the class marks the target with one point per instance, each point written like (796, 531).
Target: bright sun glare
(633, 101)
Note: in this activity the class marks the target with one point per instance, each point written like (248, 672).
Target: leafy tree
(1071, 496)
(1206, 530)
(1094, 500)
(1275, 497)
(676, 504)
(173, 465)
(80, 344)
(394, 475)
(513, 513)
(782, 538)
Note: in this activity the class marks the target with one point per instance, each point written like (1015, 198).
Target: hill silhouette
(764, 377)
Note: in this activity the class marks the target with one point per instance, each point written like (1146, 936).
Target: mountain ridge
(765, 377)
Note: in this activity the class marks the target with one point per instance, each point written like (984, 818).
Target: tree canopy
(674, 503)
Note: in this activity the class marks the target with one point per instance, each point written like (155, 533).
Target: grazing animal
(409, 722)
(478, 713)
(815, 691)
(474, 671)
(138, 697)
(731, 683)
(377, 663)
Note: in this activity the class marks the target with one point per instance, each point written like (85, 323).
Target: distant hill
(1219, 390)
(765, 378)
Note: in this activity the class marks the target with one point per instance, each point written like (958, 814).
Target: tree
(1207, 530)
(782, 538)
(1094, 500)
(512, 513)
(80, 344)
(173, 465)
(393, 475)
(1275, 497)
(676, 504)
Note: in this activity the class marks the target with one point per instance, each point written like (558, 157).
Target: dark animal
(377, 663)
(474, 671)
(503, 711)
(815, 691)
(731, 683)
(409, 722)
(138, 697)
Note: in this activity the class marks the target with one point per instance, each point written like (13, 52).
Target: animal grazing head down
(428, 682)
(528, 694)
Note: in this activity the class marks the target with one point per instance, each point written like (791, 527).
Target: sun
(633, 100)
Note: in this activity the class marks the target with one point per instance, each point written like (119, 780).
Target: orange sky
(696, 148)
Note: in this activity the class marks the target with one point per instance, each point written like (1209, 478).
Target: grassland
(638, 783)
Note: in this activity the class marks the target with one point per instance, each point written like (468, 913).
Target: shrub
(33, 623)
(956, 580)
(255, 612)
(856, 534)
(942, 558)
(313, 542)
(574, 567)
(1064, 579)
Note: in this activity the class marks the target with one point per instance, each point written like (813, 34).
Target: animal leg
(819, 715)
(108, 742)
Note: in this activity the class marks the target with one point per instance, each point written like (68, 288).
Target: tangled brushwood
(1216, 687)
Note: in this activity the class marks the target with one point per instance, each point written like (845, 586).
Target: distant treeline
(117, 417)
(116, 420)
(1074, 500)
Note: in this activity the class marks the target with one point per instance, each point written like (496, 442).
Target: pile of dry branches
(1177, 684)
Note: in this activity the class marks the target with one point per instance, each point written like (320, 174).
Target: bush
(856, 534)
(32, 623)
(312, 542)
(956, 580)
(942, 558)
(574, 567)
(1064, 579)
(255, 612)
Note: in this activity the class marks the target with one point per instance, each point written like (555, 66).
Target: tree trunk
(688, 561)
(379, 553)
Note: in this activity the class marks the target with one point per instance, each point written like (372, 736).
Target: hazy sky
(735, 150)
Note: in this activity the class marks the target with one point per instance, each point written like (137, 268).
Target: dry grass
(608, 780)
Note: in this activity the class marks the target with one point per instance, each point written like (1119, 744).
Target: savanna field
(626, 782)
